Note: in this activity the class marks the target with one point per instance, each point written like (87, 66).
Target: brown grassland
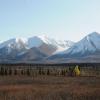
(49, 88)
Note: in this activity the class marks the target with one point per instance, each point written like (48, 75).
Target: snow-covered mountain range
(88, 46)
(21, 48)
(45, 49)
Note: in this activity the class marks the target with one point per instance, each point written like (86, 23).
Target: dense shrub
(76, 71)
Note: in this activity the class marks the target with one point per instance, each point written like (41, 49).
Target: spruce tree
(28, 72)
(10, 72)
(5, 71)
(40, 72)
(2, 71)
(22, 72)
(15, 72)
(48, 72)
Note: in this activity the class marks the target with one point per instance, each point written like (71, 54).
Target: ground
(49, 88)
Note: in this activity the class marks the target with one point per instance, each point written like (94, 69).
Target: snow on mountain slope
(86, 46)
(14, 44)
(48, 45)
(51, 49)
(42, 42)
(36, 41)
(17, 42)
(63, 45)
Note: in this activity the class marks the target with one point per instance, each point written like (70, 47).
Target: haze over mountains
(43, 49)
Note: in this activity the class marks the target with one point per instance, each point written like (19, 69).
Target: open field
(49, 88)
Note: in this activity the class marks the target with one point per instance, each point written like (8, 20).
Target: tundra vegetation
(68, 71)
(49, 83)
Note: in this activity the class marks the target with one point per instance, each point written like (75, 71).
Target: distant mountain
(11, 48)
(88, 47)
(21, 48)
(48, 45)
(43, 49)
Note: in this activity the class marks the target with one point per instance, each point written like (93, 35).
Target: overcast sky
(60, 19)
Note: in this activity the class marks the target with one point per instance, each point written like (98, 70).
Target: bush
(76, 71)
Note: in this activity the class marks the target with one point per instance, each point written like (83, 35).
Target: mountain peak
(94, 34)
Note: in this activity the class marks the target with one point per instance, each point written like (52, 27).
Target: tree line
(71, 71)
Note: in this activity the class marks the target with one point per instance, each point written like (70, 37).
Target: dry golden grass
(49, 88)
